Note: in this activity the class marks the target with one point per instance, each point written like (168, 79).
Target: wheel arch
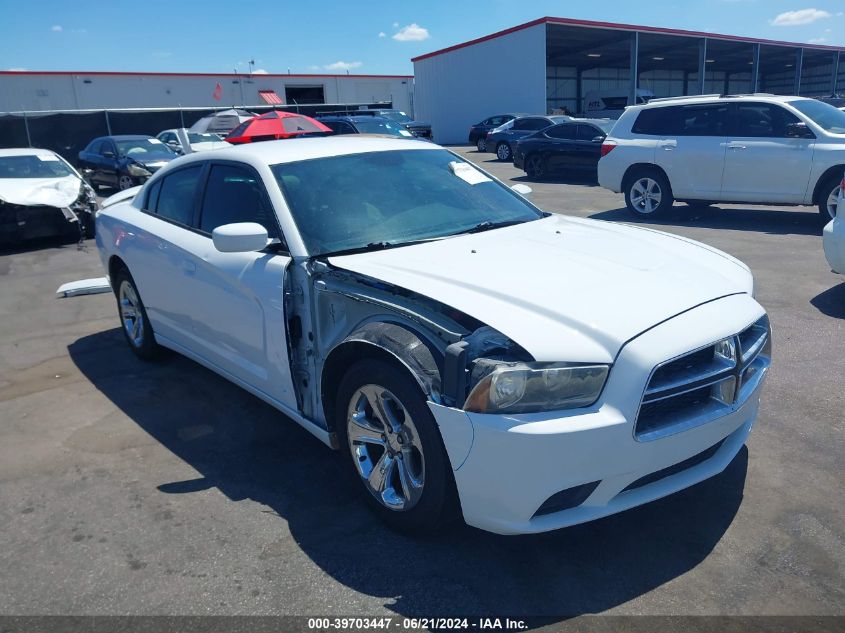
(394, 344)
(115, 266)
(835, 171)
(638, 168)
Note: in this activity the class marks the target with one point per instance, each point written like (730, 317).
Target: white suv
(759, 149)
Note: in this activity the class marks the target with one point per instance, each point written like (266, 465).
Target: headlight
(135, 169)
(531, 387)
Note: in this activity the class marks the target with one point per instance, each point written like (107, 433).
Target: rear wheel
(828, 197)
(503, 151)
(481, 144)
(133, 317)
(394, 447)
(535, 166)
(647, 193)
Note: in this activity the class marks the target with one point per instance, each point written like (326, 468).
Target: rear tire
(535, 166)
(503, 152)
(394, 448)
(481, 144)
(648, 194)
(828, 194)
(133, 317)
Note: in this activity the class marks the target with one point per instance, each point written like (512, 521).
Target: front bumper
(834, 241)
(506, 467)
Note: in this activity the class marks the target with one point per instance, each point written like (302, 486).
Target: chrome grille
(704, 384)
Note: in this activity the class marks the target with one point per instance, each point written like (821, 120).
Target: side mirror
(799, 130)
(599, 139)
(239, 237)
(521, 189)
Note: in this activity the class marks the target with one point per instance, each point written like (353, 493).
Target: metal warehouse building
(39, 91)
(552, 63)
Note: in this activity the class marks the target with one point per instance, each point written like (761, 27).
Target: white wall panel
(455, 89)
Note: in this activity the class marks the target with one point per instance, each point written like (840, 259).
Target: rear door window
(588, 133)
(562, 131)
(177, 196)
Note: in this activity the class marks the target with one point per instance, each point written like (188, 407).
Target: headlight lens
(531, 387)
(137, 170)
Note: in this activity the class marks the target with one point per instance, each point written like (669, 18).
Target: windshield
(200, 137)
(360, 200)
(396, 115)
(503, 126)
(34, 166)
(138, 147)
(604, 126)
(823, 114)
(560, 118)
(381, 126)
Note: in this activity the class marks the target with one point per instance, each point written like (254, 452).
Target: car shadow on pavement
(253, 452)
(573, 179)
(771, 221)
(831, 302)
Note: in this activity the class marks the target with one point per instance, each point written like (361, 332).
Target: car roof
(354, 118)
(127, 137)
(299, 149)
(26, 151)
(698, 99)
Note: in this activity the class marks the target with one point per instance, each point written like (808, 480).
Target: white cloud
(382, 34)
(260, 71)
(16, 70)
(396, 25)
(411, 33)
(56, 28)
(817, 40)
(802, 16)
(342, 66)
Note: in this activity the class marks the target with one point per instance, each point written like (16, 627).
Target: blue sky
(332, 36)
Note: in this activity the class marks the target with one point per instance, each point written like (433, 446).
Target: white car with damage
(470, 353)
(42, 195)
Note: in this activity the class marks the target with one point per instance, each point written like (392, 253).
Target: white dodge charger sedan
(469, 353)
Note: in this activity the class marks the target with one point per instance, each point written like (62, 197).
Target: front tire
(133, 317)
(125, 182)
(503, 152)
(828, 196)
(394, 447)
(648, 194)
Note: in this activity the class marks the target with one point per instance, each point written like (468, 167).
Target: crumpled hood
(51, 192)
(565, 289)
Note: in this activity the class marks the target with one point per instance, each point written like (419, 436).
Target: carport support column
(835, 77)
(635, 74)
(579, 91)
(799, 63)
(26, 127)
(108, 124)
(755, 69)
(702, 64)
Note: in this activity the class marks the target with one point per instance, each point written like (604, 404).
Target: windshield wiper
(487, 225)
(376, 246)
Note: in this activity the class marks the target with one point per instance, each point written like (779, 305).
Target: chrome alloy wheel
(130, 314)
(125, 182)
(385, 447)
(503, 151)
(646, 195)
(833, 202)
